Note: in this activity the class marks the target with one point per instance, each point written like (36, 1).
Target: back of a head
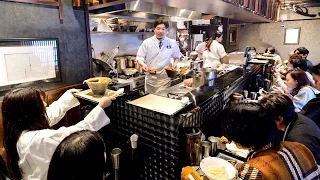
(216, 35)
(303, 51)
(278, 104)
(79, 156)
(22, 109)
(272, 50)
(297, 62)
(249, 125)
(316, 69)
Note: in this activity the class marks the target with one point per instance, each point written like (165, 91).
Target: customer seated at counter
(296, 127)
(80, 156)
(311, 109)
(28, 140)
(249, 126)
(304, 52)
(302, 90)
(295, 61)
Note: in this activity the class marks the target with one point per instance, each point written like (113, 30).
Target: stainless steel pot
(130, 71)
(209, 73)
(131, 61)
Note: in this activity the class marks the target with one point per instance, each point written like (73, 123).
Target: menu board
(23, 62)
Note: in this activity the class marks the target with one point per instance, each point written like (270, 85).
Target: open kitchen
(159, 90)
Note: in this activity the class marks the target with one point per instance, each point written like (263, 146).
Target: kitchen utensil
(245, 93)
(237, 98)
(115, 153)
(172, 73)
(191, 143)
(193, 55)
(253, 95)
(206, 148)
(209, 162)
(134, 140)
(98, 85)
(131, 61)
(214, 145)
(130, 71)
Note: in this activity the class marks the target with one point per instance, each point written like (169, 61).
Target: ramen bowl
(98, 85)
(214, 167)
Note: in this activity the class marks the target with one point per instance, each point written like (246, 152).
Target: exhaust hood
(143, 10)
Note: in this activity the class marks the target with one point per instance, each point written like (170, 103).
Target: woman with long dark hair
(214, 51)
(28, 139)
(302, 89)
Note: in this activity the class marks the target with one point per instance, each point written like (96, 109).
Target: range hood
(141, 10)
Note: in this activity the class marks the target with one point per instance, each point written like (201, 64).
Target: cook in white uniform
(155, 53)
(36, 145)
(201, 47)
(215, 51)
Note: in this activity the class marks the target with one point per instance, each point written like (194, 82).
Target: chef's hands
(106, 102)
(143, 66)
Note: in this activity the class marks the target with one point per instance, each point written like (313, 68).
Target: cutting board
(159, 104)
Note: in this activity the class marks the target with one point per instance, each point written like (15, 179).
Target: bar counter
(158, 156)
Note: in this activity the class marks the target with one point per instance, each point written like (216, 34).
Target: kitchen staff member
(201, 47)
(154, 55)
(215, 51)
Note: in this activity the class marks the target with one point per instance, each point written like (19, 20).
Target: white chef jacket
(217, 50)
(210, 60)
(35, 148)
(201, 47)
(155, 58)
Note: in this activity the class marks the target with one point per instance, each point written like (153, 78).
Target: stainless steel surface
(115, 157)
(130, 71)
(144, 10)
(214, 7)
(253, 95)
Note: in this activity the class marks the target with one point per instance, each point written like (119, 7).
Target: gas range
(136, 82)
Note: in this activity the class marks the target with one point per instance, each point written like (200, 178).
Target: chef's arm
(199, 51)
(175, 62)
(143, 65)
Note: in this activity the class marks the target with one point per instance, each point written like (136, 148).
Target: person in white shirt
(28, 139)
(302, 90)
(155, 53)
(215, 52)
(201, 47)
(277, 58)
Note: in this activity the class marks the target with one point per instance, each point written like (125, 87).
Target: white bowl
(218, 162)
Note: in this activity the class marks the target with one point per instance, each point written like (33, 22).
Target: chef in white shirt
(29, 140)
(201, 47)
(215, 51)
(155, 54)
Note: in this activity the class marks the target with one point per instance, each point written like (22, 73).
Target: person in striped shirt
(251, 127)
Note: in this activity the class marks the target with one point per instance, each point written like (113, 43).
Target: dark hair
(22, 110)
(161, 20)
(298, 62)
(79, 156)
(218, 34)
(249, 125)
(272, 50)
(316, 69)
(302, 50)
(301, 78)
(278, 104)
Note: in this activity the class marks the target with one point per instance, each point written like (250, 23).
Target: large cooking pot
(131, 61)
(208, 76)
(130, 71)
